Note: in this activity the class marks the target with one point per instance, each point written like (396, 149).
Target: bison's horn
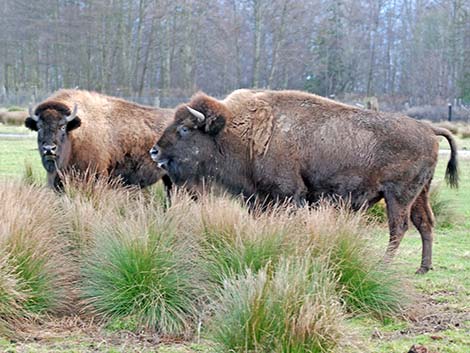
(200, 117)
(31, 114)
(72, 116)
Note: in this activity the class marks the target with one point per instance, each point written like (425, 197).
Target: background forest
(406, 52)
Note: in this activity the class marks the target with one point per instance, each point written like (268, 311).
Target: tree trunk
(256, 42)
(278, 41)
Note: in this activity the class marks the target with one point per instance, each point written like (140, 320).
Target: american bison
(302, 147)
(88, 131)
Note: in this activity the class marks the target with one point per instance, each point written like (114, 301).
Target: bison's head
(53, 121)
(189, 148)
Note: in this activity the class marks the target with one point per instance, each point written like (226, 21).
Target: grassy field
(17, 151)
(439, 318)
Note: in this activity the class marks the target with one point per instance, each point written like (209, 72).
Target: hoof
(423, 269)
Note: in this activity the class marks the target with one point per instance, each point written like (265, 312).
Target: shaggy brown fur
(109, 135)
(289, 144)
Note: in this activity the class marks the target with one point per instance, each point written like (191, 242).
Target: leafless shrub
(437, 113)
(13, 117)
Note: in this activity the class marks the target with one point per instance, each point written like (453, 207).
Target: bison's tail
(452, 174)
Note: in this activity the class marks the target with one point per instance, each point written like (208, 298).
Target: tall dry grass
(12, 297)
(232, 240)
(89, 200)
(36, 274)
(129, 256)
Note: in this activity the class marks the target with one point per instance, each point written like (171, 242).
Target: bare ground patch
(74, 334)
(436, 317)
(432, 317)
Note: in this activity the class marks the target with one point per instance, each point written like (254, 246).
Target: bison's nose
(154, 152)
(49, 150)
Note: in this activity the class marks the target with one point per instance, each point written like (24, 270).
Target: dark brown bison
(83, 130)
(288, 144)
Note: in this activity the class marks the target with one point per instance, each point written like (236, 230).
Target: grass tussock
(34, 255)
(140, 269)
(443, 208)
(294, 308)
(377, 213)
(343, 240)
(232, 240)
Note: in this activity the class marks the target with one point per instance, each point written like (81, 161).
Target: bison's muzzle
(155, 154)
(49, 157)
(170, 166)
(49, 150)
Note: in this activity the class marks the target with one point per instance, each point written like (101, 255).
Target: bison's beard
(49, 164)
(174, 172)
(180, 173)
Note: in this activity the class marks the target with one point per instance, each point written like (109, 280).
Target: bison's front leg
(55, 182)
(300, 199)
(293, 191)
(168, 186)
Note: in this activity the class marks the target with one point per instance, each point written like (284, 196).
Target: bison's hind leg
(423, 219)
(398, 219)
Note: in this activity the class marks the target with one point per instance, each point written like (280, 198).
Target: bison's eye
(62, 128)
(183, 131)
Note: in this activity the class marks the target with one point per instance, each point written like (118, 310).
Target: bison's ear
(75, 123)
(214, 124)
(31, 124)
(210, 121)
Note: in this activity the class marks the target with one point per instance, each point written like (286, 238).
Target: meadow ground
(439, 319)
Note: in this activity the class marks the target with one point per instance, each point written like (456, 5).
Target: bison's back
(334, 149)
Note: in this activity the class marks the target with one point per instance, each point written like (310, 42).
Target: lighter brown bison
(302, 147)
(88, 131)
